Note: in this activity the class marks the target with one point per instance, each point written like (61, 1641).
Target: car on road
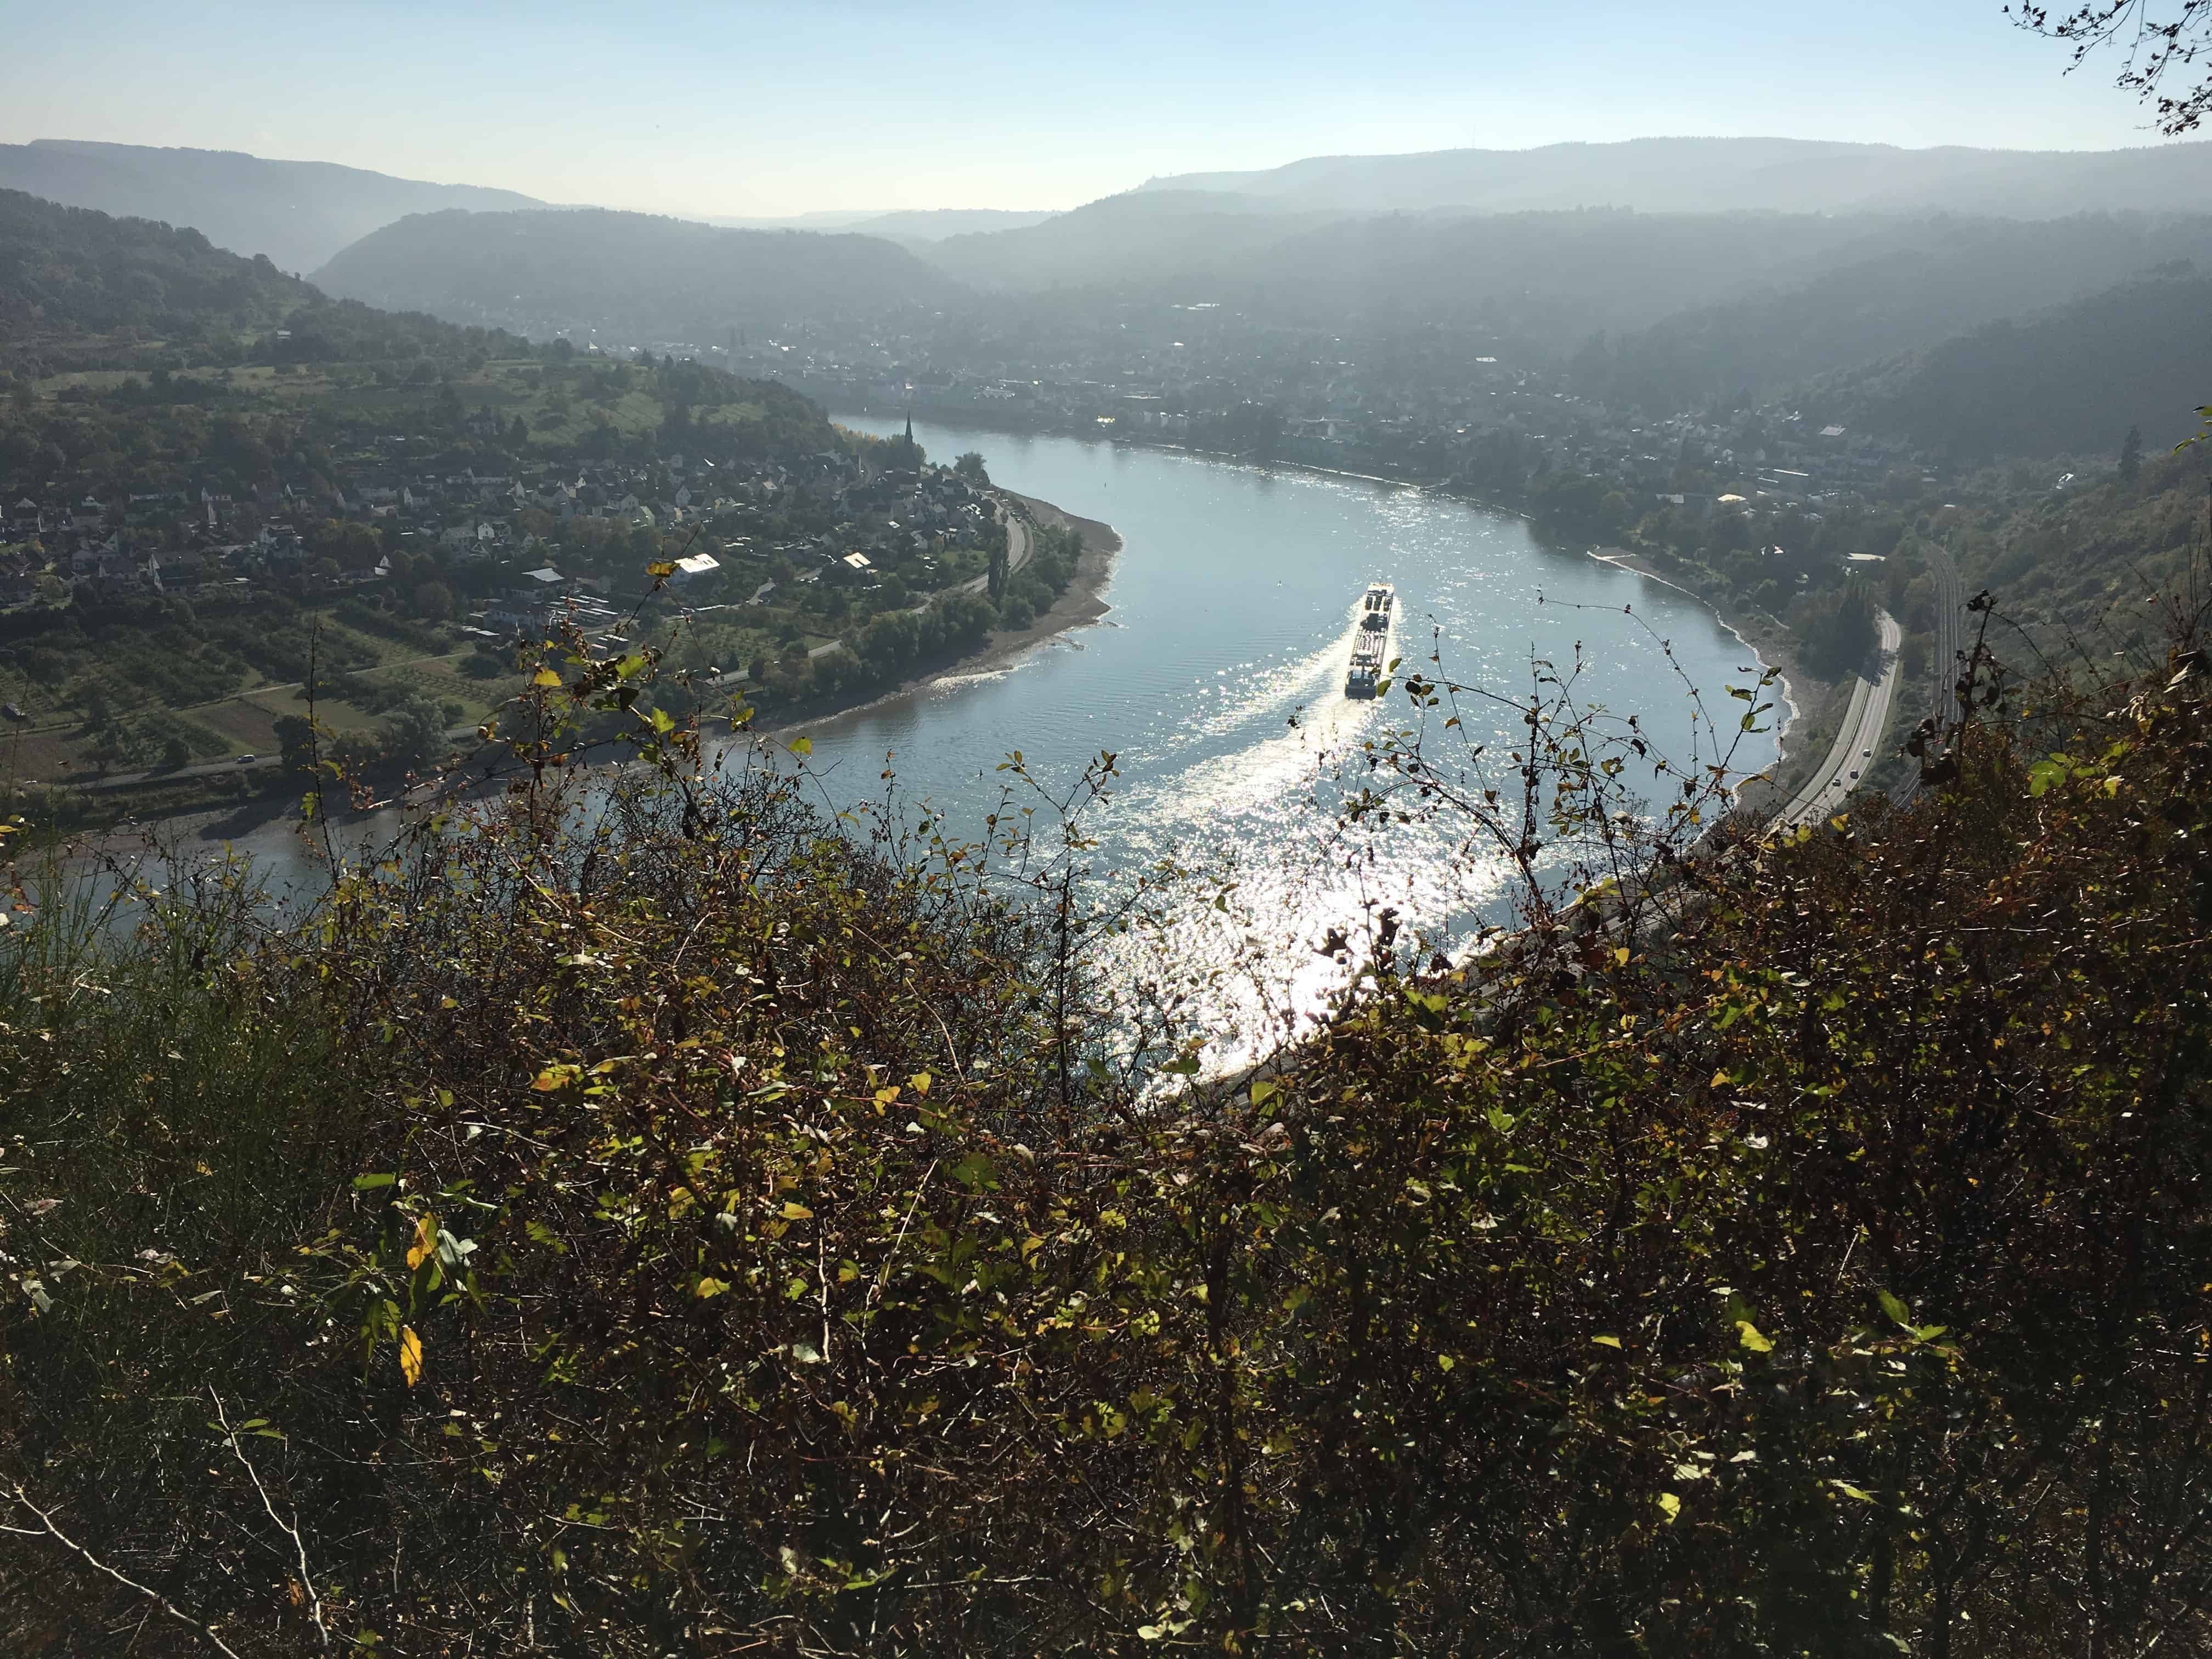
(1866, 754)
(1855, 772)
(248, 758)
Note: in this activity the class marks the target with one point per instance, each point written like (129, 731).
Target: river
(1216, 680)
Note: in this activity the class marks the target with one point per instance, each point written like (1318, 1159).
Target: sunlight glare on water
(1217, 681)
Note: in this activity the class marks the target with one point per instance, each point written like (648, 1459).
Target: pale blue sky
(782, 108)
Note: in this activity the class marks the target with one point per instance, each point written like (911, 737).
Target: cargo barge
(1370, 645)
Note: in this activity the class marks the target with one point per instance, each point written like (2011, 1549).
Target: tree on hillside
(970, 467)
(2131, 454)
(416, 730)
(353, 544)
(295, 741)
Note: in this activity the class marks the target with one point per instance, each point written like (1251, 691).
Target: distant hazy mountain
(298, 213)
(2069, 381)
(1895, 286)
(631, 275)
(1708, 175)
(828, 219)
(1694, 306)
(935, 224)
(901, 225)
(1153, 240)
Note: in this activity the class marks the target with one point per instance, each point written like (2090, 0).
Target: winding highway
(1853, 751)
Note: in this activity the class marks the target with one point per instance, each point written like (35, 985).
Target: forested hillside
(1689, 307)
(1895, 287)
(68, 272)
(2062, 382)
(634, 275)
(80, 289)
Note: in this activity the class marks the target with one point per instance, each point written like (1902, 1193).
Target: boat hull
(1371, 647)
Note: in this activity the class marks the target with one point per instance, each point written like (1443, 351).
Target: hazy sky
(783, 108)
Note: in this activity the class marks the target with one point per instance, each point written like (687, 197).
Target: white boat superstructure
(1370, 643)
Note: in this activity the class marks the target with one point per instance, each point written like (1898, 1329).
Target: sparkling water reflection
(1216, 679)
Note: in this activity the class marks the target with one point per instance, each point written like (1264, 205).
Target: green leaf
(2045, 773)
(1748, 1333)
(1894, 1308)
(370, 1182)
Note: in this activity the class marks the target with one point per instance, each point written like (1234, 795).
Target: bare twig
(169, 1608)
(299, 1548)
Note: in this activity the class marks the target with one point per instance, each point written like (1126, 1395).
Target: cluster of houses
(1349, 414)
(175, 541)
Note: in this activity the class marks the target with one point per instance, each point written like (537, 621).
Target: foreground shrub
(695, 1225)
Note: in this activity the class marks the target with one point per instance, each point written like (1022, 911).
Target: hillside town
(1449, 407)
(496, 538)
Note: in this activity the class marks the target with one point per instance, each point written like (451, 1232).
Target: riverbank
(1080, 604)
(1812, 707)
(1805, 727)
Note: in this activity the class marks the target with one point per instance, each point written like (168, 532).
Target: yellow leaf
(710, 1287)
(1607, 1341)
(802, 745)
(545, 677)
(426, 1242)
(1670, 1506)
(919, 1084)
(797, 1213)
(410, 1355)
(1720, 1079)
(1748, 1333)
(1620, 957)
(554, 1077)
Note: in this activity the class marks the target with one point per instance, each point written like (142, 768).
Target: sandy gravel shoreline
(1770, 647)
